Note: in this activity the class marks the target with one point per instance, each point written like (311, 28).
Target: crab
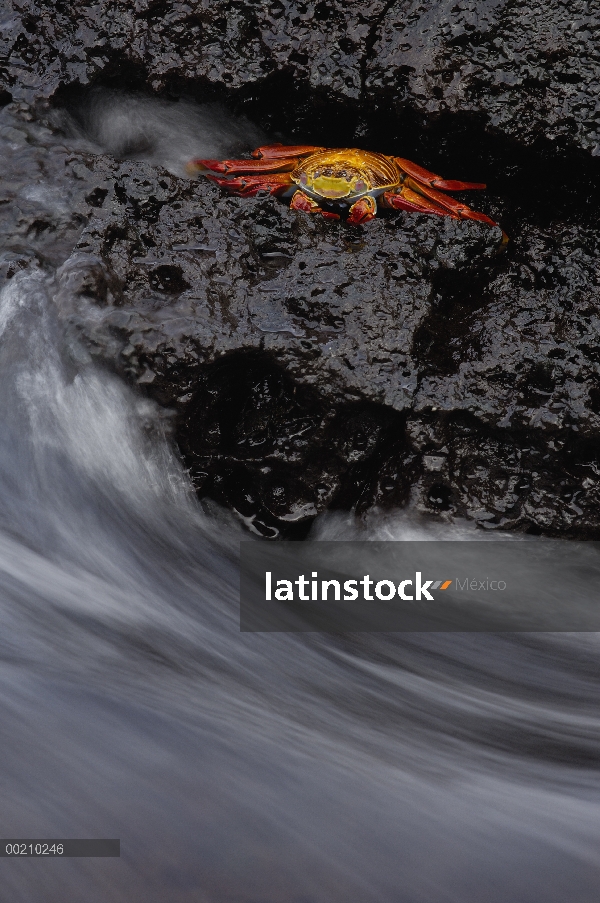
(333, 180)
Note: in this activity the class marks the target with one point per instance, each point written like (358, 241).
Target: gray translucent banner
(340, 587)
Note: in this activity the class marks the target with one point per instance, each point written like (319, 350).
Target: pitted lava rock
(527, 70)
(310, 365)
(314, 365)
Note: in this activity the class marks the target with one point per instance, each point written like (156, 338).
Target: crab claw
(301, 201)
(362, 211)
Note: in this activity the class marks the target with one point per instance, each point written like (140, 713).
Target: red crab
(324, 180)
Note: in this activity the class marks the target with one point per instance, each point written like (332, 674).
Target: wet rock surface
(285, 342)
(42, 204)
(528, 72)
(308, 364)
(312, 365)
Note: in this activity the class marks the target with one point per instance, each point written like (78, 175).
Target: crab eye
(359, 185)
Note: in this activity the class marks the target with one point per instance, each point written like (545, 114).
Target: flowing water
(246, 768)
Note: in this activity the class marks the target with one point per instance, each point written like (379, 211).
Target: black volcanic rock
(311, 364)
(308, 364)
(284, 342)
(530, 70)
(527, 71)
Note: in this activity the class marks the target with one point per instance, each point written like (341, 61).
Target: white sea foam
(164, 133)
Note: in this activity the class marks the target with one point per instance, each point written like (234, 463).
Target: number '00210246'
(38, 849)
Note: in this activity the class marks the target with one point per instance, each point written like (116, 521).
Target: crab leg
(247, 186)
(279, 151)
(457, 208)
(427, 200)
(241, 166)
(431, 179)
(405, 199)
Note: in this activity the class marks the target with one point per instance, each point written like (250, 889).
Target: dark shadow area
(276, 453)
(451, 333)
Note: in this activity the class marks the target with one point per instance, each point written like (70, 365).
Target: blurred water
(239, 768)
(166, 133)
